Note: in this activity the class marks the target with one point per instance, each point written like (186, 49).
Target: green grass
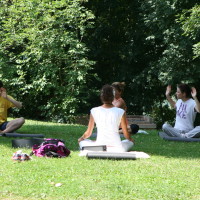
(172, 172)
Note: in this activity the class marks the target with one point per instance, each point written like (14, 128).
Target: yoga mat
(22, 135)
(111, 155)
(95, 148)
(26, 143)
(170, 138)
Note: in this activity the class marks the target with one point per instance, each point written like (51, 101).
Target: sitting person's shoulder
(95, 108)
(118, 109)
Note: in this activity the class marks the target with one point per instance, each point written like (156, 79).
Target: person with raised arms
(6, 102)
(186, 107)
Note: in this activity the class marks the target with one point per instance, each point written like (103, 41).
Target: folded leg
(170, 131)
(194, 133)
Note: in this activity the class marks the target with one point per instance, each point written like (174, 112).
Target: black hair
(1, 84)
(107, 94)
(184, 88)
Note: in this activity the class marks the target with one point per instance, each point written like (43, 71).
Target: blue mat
(170, 138)
(26, 143)
(22, 135)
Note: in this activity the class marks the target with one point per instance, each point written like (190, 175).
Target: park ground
(171, 172)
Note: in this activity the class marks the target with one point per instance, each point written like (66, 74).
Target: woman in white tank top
(107, 119)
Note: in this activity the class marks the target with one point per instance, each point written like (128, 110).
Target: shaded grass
(172, 172)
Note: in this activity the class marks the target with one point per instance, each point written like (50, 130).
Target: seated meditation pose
(107, 118)
(7, 102)
(120, 103)
(186, 107)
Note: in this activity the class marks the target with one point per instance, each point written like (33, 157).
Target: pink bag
(51, 148)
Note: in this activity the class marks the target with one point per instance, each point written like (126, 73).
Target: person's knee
(165, 127)
(127, 145)
(21, 121)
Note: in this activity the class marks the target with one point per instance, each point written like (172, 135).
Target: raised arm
(169, 99)
(89, 130)
(5, 96)
(124, 128)
(194, 95)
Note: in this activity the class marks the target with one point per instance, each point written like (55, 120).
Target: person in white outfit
(107, 119)
(186, 107)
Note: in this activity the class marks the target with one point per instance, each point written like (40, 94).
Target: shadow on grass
(6, 141)
(154, 145)
(66, 132)
(151, 143)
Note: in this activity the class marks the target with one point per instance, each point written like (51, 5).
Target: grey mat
(167, 137)
(22, 135)
(27, 143)
(95, 148)
(111, 155)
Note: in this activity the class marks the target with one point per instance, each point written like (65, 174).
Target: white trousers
(126, 145)
(171, 131)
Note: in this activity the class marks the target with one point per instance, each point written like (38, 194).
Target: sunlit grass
(172, 172)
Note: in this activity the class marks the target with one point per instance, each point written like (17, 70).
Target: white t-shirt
(185, 115)
(107, 121)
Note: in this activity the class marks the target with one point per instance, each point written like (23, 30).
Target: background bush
(56, 55)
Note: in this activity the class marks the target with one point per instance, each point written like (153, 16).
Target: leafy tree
(59, 52)
(117, 45)
(190, 24)
(42, 46)
(172, 57)
(142, 43)
(174, 60)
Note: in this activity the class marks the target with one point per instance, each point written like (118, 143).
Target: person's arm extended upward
(16, 103)
(5, 96)
(194, 95)
(169, 99)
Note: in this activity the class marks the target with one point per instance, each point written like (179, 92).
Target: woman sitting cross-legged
(107, 119)
(120, 103)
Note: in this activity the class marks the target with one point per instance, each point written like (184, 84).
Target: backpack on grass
(51, 148)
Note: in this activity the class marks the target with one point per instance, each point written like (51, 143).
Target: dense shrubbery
(143, 43)
(56, 55)
(44, 60)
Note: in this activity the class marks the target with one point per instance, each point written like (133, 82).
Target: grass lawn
(172, 172)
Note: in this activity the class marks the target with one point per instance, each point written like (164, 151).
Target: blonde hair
(119, 86)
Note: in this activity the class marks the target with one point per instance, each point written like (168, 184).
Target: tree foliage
(143, 44)
(42, 48)
(190, 21)
(60, 52)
